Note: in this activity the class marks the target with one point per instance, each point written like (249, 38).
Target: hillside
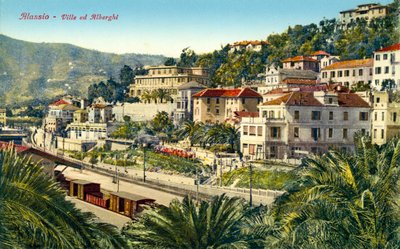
(31, 71)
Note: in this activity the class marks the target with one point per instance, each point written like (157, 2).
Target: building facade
(3, 117)
(301, 63)
(168, 78)
(387, 66)
(248, 45)
(218, 105)
(184, 101)
(59, 115)
(385, 117)
(363, 11)
(348, 72)
(300, 123)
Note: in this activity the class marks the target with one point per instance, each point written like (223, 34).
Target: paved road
(106, 183)
(104, 215)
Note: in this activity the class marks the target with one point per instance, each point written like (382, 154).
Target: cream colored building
(367, 12)
(60, 113)
(168, 78)
(217, 105)
(184, 101)
(301, 63)
(387, 66)
(87, 131)
(348, 72)
(3, 117)
(248, 45)
(299, 123)
(385, 117)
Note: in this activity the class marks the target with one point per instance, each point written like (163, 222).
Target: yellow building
(3, 117)
(168, 78)
(218, 105)
(385, 117)
(367, 12)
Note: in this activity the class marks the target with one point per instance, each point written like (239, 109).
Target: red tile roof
(350, 64)
(228, 93)
(18, 148)
(394, 47)
(311, 88)
(244, 114)
(300, 58)
(60, 102)
(320, 52)
(308, 99)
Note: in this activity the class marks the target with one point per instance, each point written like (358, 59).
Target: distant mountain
(43, 70)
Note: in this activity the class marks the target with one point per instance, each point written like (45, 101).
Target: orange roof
(320, 52)
(311, 88)
(18, 148)
(299, 81)
(307, 99)
(60, 102)
(228, 93)
(350, 64)
(394, 47)
(300, 58)
(244, 114)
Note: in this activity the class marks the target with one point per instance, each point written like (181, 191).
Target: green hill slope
(43, 70)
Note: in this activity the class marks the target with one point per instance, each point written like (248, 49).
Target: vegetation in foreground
(35, 214)
(338, 201)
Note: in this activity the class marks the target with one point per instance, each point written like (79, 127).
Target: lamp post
(247, 159)
(144, 161)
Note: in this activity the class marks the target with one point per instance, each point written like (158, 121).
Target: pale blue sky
(163, 26)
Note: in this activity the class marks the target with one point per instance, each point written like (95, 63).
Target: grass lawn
(262, 179)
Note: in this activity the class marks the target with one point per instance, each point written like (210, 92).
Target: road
(106, 184)
(104, 215)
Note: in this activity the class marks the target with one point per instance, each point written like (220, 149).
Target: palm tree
(163, 94)
(190, 129)
(344, 201)
(213, 224)
(224, 134)
(146, 97)
(35, 214)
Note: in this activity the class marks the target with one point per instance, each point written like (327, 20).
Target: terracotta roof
(300, 58)
(228, 93)
(311, 88)
(299, 81)
(351, 100)
(307, 99)
(18, 148)
(244, 114)
(350, 64)
(320, 52)
(60, 102)
(394, 47)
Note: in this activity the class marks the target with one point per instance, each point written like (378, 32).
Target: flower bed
(174, 152)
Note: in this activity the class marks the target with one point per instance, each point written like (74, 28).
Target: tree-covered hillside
(357, 42)
(44, 70)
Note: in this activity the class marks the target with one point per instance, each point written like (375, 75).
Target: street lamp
(144, 161)
(247, 159)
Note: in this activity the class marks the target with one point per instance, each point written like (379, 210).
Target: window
(252, 130)
(360, 72)
(382, 134)
(330, 100)
(296, 115)
(259, 131)
(333, 74)
(346, 73)
(377, 57)
(208, 109)
(217, 101)
(354, 72)
(315, 115)
(296, 132)
(378, 70)
(344, 133)
(275, 132)
(385, 56)
(330, 115)
(376, 116)
(345, 116)
(243, 101)
(394, 116)
(363, 116)
(340, 74)
(315, 133)
(383, 116)
(245, 130)
(378, 100)
(374, 133)
(386, 70)
(330, 132)
(217, 111)
(208, 100)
